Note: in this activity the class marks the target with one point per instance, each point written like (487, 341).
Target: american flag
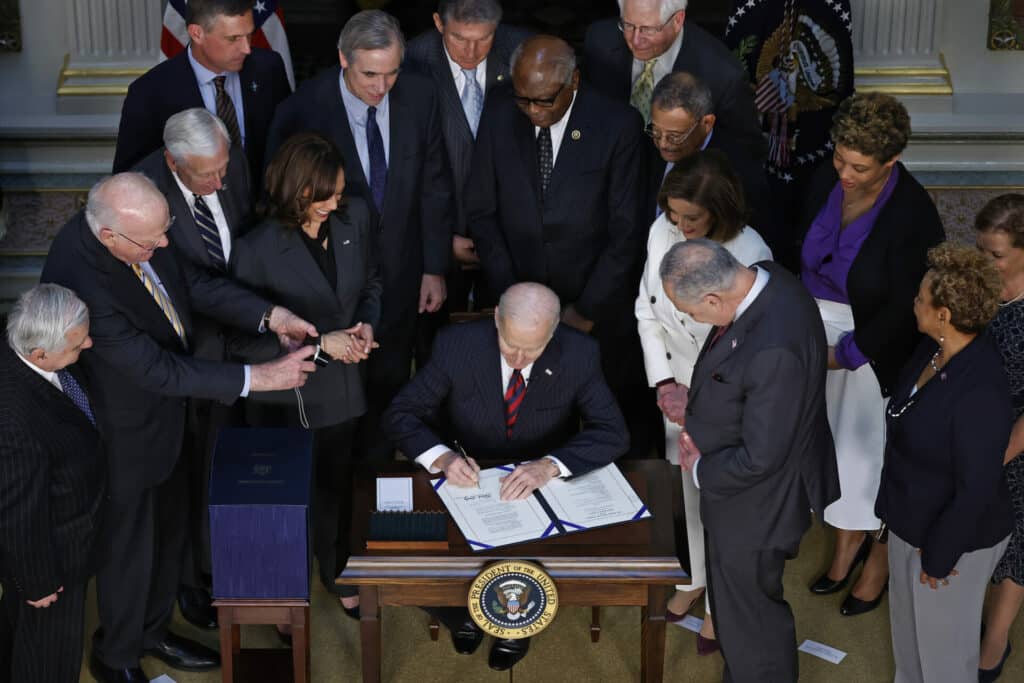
(266, 14)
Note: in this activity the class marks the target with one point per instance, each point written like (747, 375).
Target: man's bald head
(129, 215)
(544, 78)
(527, 316)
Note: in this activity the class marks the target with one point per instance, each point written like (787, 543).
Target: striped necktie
(545, 158)
(208, 231)
(643, 89)
(226, 111)
(162, 301)
(73, 390)
(513, 399)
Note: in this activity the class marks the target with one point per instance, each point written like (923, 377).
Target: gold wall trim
(893, 80)
(96, 90)
(108, 90)
(101, 72)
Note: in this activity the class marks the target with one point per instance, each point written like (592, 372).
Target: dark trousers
(388, 369)
(332, 502)
(42, 645)
(753, 622)
(144, 537)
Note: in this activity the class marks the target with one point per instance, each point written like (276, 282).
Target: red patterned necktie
(513, 399)
(719, 332)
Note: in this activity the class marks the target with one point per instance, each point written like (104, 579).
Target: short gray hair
(195, 132)
(682, 90)
(470, 11)
(112, 194)
(564, 63)
(695, 268)
(668, 7)
(371, 29)
(529, 304)
(42, 316)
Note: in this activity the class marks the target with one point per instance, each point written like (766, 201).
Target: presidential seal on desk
(513, 599)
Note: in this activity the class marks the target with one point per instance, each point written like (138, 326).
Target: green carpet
(564, 651)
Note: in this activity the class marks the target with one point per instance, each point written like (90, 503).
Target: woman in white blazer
(700, 197)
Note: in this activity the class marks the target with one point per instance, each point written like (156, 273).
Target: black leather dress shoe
(991, 675)
(184, 654)
(852, 606)
(825, 585)
(506, 653)
(195, 605)
(105, 674)
(467, 638)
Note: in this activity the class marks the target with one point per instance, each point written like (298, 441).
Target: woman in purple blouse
(867, 228)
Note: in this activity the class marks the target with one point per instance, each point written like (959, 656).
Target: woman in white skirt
(700, 197)
(869, 225)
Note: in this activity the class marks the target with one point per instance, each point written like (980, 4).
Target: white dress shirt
(557, 131)
(662, 67)
(208, 91)
(213, 202)
(48, 375)
(460, 78)
(427, 458)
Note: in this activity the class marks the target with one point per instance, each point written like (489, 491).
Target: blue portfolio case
(259, 513)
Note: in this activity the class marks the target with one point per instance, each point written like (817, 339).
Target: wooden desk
(632, 564)
(263, 664)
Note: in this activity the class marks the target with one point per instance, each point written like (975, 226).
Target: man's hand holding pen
(459, 469)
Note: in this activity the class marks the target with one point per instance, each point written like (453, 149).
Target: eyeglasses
(671, 137)
(545, 102)
(627, 27)
(156, 245)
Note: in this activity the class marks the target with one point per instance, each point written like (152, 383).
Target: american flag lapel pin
(734, 343)
(254, 86)
(547, 371)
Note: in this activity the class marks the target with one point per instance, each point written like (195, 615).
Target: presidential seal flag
(266, 15)
(513, 599)
(799, 57)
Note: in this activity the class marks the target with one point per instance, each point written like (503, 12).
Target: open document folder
(598, 498)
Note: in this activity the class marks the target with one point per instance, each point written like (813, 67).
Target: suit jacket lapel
(544, 373)
(252, 94)
(341, 132)
(623, 60)
(296, 258)
(450, 100)
(526, 141)
(402, 139)
(162, 264)
(570, 152)
(487, 375)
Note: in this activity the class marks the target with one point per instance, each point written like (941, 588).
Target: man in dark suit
(206, 183)
(52, 485)
(389, 132)
(626, 57)
(512, 390)
(219, 71)
(756, 442)
(553, 198)
(139, 372)
(467, 56)
(683, 122)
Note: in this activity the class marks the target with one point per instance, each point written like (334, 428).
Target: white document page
(394, 494)
(487, 521)
(598, 498)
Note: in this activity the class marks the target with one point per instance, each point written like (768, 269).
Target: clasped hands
(526, 478)
(350, 345)
(672, 400)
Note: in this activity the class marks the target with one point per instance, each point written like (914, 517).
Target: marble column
(895, 47)
(110, 43)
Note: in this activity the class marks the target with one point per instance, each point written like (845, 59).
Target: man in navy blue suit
(220, 71)
(514, 390)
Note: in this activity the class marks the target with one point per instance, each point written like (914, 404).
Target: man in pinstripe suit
(52, 485)
(513, 390)
(467, 56)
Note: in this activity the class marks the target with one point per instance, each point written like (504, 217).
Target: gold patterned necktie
(643, 89)
(162, 301)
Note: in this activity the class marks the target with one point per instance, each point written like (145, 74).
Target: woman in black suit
(943, 494)
(867, 227)
(316, 252)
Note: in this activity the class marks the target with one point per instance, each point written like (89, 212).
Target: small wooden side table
(266, 664)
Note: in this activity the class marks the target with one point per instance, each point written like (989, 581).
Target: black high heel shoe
(852, 606)
(824, 585)
(991, 675)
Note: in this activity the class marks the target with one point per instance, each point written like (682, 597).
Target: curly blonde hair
(964, 280)
(873, 124)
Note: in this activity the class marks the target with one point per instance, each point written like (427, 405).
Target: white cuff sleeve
(427, 458)
(563, 471)
(246, 384)
(696, 482)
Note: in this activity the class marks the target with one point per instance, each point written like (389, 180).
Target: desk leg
(369, 633)
(652, 635)
(300, 644)
(225, 617)
(595, 624)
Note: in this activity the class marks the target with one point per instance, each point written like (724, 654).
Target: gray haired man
(388, 129)
(52, 485)
(206, 183)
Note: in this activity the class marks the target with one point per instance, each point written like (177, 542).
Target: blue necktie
(73, 390)
(378, 162)
(472, 99)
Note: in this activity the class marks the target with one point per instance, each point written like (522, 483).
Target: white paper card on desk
(164, 678)
(822, 651)
(394, 494)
